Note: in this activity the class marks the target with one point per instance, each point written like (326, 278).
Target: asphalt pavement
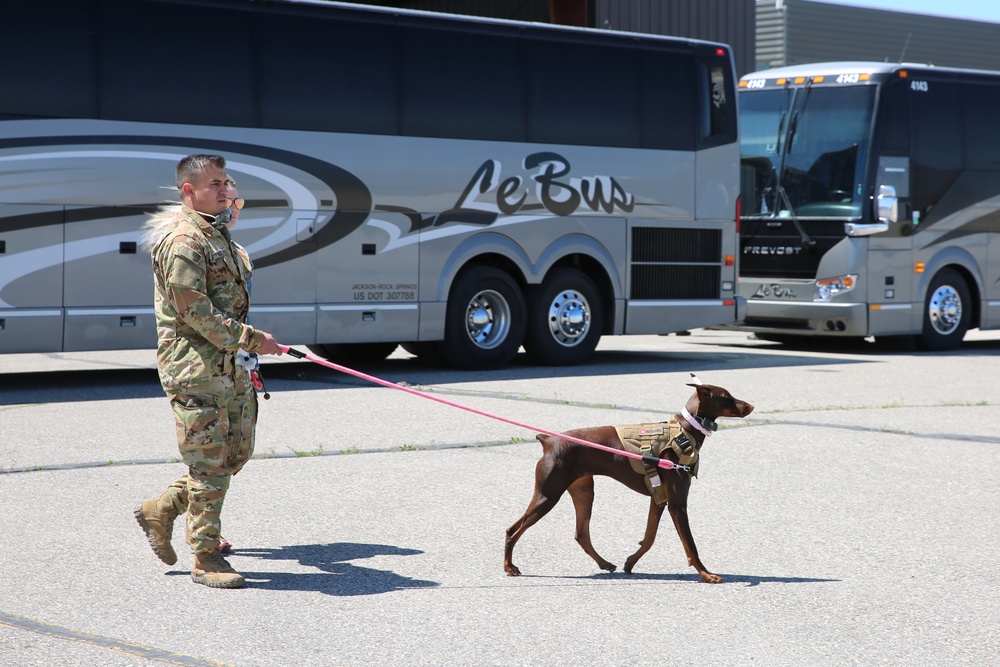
(853, 516)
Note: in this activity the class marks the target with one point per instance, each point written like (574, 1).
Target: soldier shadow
(337, 575)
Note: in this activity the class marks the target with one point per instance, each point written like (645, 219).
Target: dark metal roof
(728, 21)
(801, 31)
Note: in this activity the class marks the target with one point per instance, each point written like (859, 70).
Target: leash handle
(667, 464)
(292, 351)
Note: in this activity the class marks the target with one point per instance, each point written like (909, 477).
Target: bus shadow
(698, 356)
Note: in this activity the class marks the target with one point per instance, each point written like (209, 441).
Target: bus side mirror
(888, 204)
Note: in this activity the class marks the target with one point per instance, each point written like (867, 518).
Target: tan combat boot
(156, 518)
(212, 570)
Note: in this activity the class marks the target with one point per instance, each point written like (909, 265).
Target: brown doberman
(569, 466)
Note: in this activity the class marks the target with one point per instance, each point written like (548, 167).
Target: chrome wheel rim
(945, 310)
(569, 318)
(487, 319)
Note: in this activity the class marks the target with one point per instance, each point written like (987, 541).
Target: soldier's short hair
(192, 165)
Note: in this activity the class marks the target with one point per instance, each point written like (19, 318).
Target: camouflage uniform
(202, 300)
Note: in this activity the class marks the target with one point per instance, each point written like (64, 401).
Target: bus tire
(947, 312)
(565, 318)
(484, 324)
(353, 353)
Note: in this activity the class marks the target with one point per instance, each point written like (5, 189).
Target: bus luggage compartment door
(367, 287)
(108, 282)
(31, 279)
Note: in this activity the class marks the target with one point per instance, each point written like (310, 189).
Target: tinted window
(668, 107)
(188, 70)
(717, 103)
(581, 94)
(327, 73)
(982, 126)
(937, 141)
(36, 77)
(462, 84)
(895, 119)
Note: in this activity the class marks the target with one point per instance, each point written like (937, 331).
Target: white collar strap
(699, 422)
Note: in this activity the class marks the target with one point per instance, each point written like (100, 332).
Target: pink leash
(651, 460)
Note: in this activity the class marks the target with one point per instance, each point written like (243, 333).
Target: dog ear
(694, 381)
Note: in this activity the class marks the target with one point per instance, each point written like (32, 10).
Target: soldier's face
(209, 192)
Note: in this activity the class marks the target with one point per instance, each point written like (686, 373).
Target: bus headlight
(830, 287)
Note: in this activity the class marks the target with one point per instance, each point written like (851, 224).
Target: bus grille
(674, 263)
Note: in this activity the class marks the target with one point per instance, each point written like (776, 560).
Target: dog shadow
(337, 574)
(638, 577)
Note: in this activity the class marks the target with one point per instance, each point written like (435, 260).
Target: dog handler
(201, 289)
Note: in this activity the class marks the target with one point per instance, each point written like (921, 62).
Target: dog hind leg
(582, 493)
(538, 507)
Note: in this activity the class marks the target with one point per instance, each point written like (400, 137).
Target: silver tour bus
(871, 202)
(459, 186)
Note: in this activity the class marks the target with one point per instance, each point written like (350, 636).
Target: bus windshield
(805, 150)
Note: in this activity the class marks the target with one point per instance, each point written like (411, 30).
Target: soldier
(201, 280)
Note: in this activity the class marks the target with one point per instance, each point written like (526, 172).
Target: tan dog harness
(653, 440)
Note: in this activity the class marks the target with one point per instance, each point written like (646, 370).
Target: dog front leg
(678, 513)
(652, 523)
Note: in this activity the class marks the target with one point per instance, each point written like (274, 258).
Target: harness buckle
(684, 443)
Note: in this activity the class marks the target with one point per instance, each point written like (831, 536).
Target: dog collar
(703, 424)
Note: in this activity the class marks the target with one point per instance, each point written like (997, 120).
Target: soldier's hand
(270, 345)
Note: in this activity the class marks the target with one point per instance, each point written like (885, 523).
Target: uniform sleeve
(186, 287)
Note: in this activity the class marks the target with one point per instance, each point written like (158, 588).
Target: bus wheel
(947, 312)
(484, 324)
(353, 353)
(565, 318)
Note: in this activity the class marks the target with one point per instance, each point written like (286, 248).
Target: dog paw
(710, 578)
(610, 567)
(512, 571)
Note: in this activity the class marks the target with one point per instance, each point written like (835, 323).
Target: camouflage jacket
(201, 297)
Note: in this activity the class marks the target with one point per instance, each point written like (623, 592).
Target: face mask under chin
(220, 220)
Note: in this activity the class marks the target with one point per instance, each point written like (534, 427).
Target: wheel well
(497, 261)
(595, 271)
(974, 296)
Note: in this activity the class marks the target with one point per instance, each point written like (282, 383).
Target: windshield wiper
(793, 124)
(806, 239)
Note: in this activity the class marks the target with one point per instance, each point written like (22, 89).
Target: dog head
(710, 401)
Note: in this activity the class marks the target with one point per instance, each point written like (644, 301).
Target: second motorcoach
(871, 202)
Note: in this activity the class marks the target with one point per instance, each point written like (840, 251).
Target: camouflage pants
(215, 434)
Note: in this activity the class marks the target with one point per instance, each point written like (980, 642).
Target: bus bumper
(799, 318)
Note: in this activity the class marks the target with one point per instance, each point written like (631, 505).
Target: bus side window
(167, 83)
(584, 94)
(668, 102)
(464, 84)
(331, 73)
(38, 80)
(894, 145)
(937, 144)
(895, 119)
(717, 103)
(982, 129)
